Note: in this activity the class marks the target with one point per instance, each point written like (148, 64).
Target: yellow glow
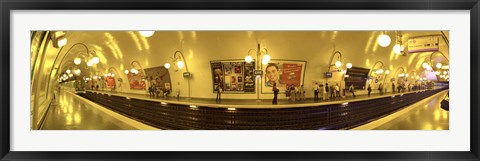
(68, 119)
(135, 39)
(145, 42)
(194, 35)
(146, 62)
(437, 115)
(369, 43)
(334, 35)
(427, 126)
(367, 62)
(113, 46)
(100, 54)
(190, 55)
(121, 67)
(76, 118)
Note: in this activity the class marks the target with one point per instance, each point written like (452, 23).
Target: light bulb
(62, 41)
(266, 57)
(146, 33)
(132, 70)
(113, 75)
(387, 71)
(439, 65)
(338, 63)
(248, 59)
(89, 63)
(384, 40)
(406, 75)
(70, 75)
(397, 49)
(95, 60)
(437, 73)
(425, 65)
(68, 71)
(444, 72)
(180, 64)
(77, 61)
(167, 65)
(126, 71)
(380, 71)
(94, 77)
(349, 65)
(264, 62)
(106, 75)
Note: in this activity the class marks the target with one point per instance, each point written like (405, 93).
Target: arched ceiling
(117, 49)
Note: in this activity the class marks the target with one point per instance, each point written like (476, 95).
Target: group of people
(295, 93)
(154, 91)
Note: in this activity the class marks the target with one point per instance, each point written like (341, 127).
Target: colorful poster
(249, 78)
(159, 77)
(284, 73)
(235, 76)
(136, 80)
(110, 82)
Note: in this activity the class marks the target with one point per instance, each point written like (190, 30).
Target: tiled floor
(427, 115)
(71, 113)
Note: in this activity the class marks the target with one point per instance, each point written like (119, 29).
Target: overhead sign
(423, 44)
(187, 74)
(258, 72)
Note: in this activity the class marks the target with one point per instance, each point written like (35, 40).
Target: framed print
(28, 24)
(285, 73)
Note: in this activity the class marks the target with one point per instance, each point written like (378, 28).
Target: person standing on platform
(275, 93)
(293, 93)
(337, 90)
(332, 91)
(393, 87)
(380, 88)
(302, 93)
(369, 89)
(316, 89)
(327, 92)
(219, 92)
(352, 90)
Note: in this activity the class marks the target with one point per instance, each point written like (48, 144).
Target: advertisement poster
(284, 73)
(236, 76)
(110, 82)
(158, 76)
(135, 80)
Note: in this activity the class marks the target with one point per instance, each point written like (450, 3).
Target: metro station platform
(72, 112)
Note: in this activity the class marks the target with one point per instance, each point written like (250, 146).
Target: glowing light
(437, 73)
(126, 71)
(68, 71)
(248, 59)
(95, 60)
(338, 63)
(70, 75)
(89, 63)
(384, 40)
(231, 109)
(113, 75)
(62, 42)
(425, 65)
(397, 49)
(439, 65)
(444, 72)
(132, 70)
(264, 62)
(77, 61)
(349, 65)
(387, 71)
(146, 33)
(167, 65)
(180, 64)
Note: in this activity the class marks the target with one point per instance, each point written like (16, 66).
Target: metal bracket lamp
(134, 70)
(258, 52)
(178, 61)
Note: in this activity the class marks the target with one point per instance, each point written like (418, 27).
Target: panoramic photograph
(240, 80)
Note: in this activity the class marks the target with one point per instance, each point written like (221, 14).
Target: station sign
(187, 74)
(423, 44)
(258, 72)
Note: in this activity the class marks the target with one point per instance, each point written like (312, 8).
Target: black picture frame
(9, 5)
